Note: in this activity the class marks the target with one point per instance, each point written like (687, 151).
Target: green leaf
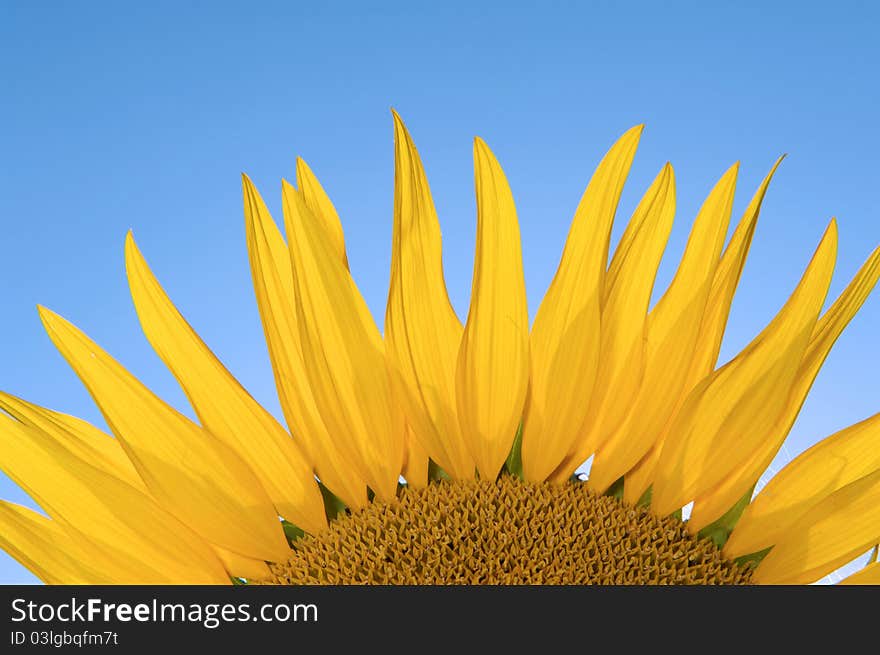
(333, 506)
(513, 465)
(645, 500)
(720, 530)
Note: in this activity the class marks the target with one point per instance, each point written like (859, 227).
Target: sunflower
(436, 452)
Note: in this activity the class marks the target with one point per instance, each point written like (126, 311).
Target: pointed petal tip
(669, 175)
(732, 171)
(249, 191)
(131, 247)
(635, 131)
(287, 186)
(831, 231)
(133, 257)
(400, 131)
(777, 163)
(53, 321)
(50, 320)
(303, 170)
(629, 139)
(482, 148)
(45, 313)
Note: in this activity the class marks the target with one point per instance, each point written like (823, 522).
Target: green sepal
(333, 506)
(292, 532)
(645, 500)
(720, 530)
(435, 472)
(676, 514)
(753, 559)
(616, 489)
(513, 464)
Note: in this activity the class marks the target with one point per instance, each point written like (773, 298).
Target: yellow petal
(241, 566)
(273, 286)
(724, 285)
(138, 541)
(713, 319)
(842, 458)
(827, 536)
(343, 352)
(222, 404)
(90, 444)
(422, 332)
(627, 294)
(193, 475)
(870, 575)
(717, 501)
(43, 547)
(672, 330)
(82, 438)
(492, 372)
(316, 199)
(415, 464)
(565, 336)
(716, 429)
(639, 478)
(103, 451)
(628, 287)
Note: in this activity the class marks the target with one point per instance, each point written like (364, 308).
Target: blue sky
(143, 117)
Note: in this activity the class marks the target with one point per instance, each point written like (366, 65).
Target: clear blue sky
(143, 116)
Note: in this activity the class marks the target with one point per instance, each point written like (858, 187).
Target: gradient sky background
(143, 117)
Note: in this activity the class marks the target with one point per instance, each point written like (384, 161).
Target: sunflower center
(505, 532)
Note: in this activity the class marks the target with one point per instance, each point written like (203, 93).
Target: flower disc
(506, 532)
